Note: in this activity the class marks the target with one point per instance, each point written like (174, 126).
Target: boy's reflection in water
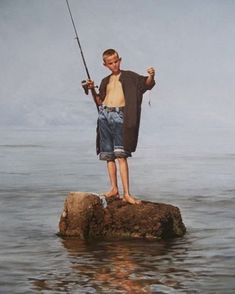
(121, 266)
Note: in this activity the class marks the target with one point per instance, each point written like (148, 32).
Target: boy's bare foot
(112, 193)
(130, 199)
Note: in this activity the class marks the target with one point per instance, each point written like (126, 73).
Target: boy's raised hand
(150, 78)
(151, 71)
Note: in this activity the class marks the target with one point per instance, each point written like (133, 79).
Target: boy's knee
(121, 159)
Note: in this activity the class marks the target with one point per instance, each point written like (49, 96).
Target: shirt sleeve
(102, 90)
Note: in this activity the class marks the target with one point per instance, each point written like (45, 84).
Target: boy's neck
(116, 73)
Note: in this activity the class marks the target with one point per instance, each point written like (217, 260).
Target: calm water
(194, 172)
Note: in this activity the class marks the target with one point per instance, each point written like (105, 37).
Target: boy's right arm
(96, 96)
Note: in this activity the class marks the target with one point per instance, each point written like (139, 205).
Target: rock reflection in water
(117, 267)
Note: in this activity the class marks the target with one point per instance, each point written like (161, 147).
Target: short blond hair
(109, 52)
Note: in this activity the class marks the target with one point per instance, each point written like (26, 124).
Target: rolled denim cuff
(121, 153)
(106, 156)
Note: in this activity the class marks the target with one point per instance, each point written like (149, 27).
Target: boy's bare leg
(124, 172)
(112, 171)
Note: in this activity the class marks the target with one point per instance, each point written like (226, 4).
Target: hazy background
(190, 43)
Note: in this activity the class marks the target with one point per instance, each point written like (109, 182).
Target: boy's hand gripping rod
(84, 84)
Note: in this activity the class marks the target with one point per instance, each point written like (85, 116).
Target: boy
(119, 99)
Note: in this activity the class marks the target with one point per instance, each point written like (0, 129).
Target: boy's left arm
(150, 82)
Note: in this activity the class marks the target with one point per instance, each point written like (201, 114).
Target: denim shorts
(110, 126)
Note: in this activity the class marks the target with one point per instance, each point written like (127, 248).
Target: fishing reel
(85, 87)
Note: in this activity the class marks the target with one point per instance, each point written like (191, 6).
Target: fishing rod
(84, 84)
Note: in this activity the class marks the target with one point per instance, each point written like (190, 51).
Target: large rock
(85, 216)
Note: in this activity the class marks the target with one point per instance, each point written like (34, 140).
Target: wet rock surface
(86, 216)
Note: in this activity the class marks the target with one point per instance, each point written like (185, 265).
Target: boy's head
(112, 60)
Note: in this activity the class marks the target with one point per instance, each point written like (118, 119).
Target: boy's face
(113, 62)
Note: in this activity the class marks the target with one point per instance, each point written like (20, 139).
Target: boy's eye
(113, 62)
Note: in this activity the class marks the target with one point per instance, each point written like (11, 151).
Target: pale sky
(191, 44)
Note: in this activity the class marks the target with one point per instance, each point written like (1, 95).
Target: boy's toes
(131, 200)
(137, 201)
